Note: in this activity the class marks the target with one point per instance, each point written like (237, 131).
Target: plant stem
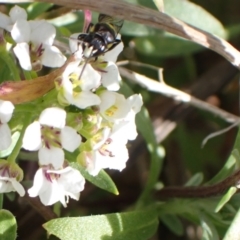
(12, 157)
(201, 191)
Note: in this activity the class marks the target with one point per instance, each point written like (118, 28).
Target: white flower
(10, 175)
(127, 127)
(110, 152)
(113, 106)
(34, 44)
(16, 13)
(57, 185)
(77, 91)
(49, 135)
(6, 111)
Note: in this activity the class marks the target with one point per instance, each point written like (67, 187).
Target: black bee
(101, 37)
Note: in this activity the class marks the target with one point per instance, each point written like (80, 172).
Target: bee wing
(114, 22)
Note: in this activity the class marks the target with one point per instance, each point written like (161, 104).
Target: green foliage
(8, 225)
(168, 45)
(102, 180)
(138, 225)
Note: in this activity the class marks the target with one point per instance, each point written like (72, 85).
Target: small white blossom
(10, 175)
(57, 185)
(109, 152)
(127, 127)
(49, 135)
(6, 111)
(16, 13)
(113, 106)
(34, 44)
(78, 83)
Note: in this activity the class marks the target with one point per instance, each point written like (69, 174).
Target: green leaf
(8, 226)
(195, 180)
(209, 231)
(226, 197)
(226, 170)
(173, 223)
(102, 180)
(35, 9)
(144, 126)
(195, 15)
(233, 231)
(139, 225)
(165, 46)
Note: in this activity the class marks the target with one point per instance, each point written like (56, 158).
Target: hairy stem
(201, 191)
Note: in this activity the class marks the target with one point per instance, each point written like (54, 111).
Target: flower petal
(111, 77)
(53, 156)
(21, 31)
(32, 137)
(53, 117)
(5, 136)
(6, 110)
(18, 187)
(52, 57)
(90, 78)
(42, 32)
(21, 51)
(5, 21)
(17, 13)
(70, 139)
(39, 183)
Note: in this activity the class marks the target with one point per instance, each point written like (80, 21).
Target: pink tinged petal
(6, 110)
(53, 117)
(111, 78)
(84, 99)
(53, 156)
(70, 139)
(42, 32)
(5, 21)
(40, 183)
(47, 190)
(5, 136)
(112, 55)
(17, 13)
(32, 137)
(21, 51)
(90, 78)
(52, 57)
(118, 162)
(21, 31)
(17, 187)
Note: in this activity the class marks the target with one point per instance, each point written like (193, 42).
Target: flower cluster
(33, 40)
(89, 118)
